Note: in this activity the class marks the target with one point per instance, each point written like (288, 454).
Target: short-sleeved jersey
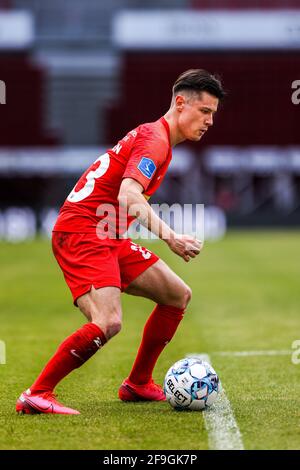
(143, 154)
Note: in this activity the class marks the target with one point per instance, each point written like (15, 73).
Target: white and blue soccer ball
(191, 384)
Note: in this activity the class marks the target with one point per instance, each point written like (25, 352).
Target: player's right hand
(185, 246)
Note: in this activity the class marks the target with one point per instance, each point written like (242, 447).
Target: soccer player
(99, 264)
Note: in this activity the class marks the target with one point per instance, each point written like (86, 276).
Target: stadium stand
(266, 77)
(22, 121)
(75, 90)
(243, 4)
(73, 41)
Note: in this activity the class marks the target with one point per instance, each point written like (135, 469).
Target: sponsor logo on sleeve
(147, 167)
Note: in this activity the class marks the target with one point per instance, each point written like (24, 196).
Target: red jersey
(143, 154)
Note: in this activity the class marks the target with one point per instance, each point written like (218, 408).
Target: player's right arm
(132, 199)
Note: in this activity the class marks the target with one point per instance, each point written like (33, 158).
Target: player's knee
(110, 326)
(108, 319)
(182, 297)
(113, 327)
(186, 296)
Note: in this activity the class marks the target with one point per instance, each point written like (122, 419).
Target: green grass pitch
(246, 296)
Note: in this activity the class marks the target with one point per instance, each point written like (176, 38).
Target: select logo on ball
(191, 384)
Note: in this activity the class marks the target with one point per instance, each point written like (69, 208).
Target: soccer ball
(191, 384)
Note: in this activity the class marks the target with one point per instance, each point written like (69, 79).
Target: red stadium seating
(243, 4)
(257, 111)
(5, 4)
(22, 117)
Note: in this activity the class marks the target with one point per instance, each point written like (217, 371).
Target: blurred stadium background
(79, 75)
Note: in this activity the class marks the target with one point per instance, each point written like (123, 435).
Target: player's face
(196, 114)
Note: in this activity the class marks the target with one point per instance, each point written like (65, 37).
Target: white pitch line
(223, 431)
(278, 352)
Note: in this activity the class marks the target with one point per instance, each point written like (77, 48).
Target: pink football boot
(43, 403)
(146, 392)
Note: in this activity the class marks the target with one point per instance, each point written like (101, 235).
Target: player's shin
(71, 354)
(158, 331)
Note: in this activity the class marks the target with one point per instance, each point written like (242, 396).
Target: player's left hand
(185, 246)
(192, 250)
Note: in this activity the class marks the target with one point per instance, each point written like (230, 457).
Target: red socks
(81, 345)
(158, 331)
(72, 353)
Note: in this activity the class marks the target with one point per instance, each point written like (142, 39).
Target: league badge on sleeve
(147, 167)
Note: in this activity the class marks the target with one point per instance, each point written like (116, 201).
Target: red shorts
(87, 261)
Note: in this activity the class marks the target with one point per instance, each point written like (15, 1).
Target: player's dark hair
(199, 80)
